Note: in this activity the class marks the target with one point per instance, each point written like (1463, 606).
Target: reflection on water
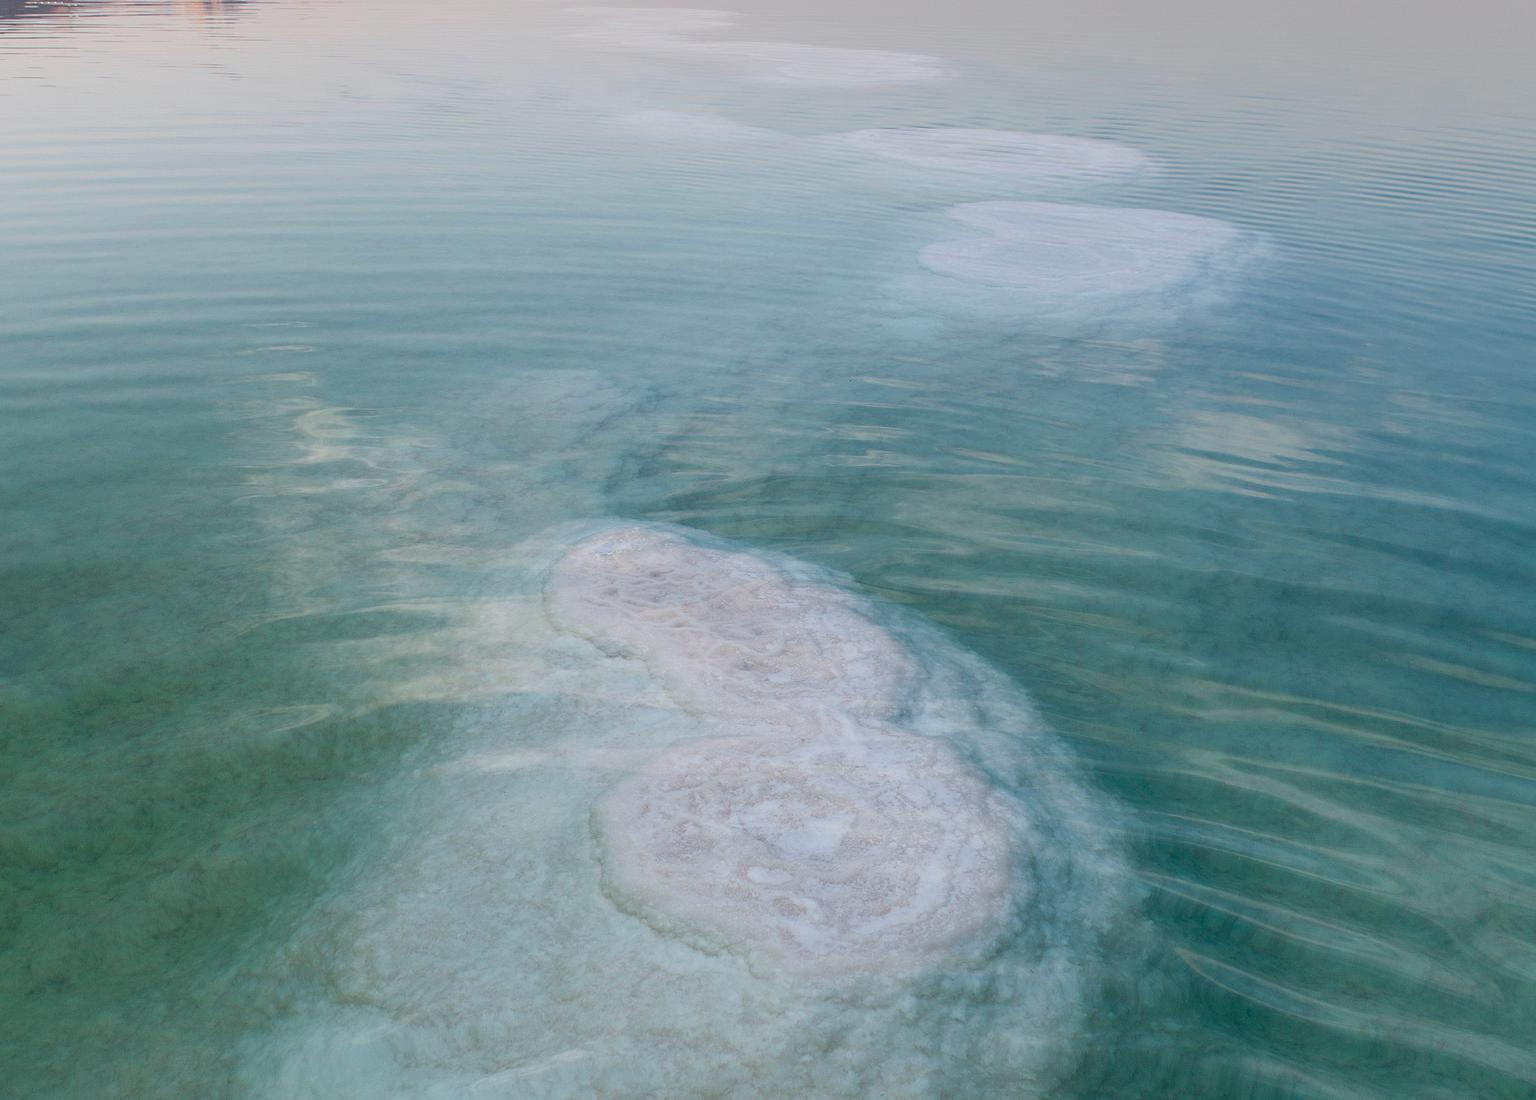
(72, 10)
(331, 328)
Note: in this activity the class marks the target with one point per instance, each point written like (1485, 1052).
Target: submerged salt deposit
(746, 833)
(1051, 248)
(692, 126)
(828, 835)
(793, 63)
(672, 31)
(1035, 159)
(1076, 265)
(830, 852)
(730, 633)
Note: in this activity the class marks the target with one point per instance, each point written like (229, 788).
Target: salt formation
(667, 30)
(1004, 154)
(691, 126)
(732, 830)
(1055, 262)
(654, 28)
(1051, 248)
(831, 852)
(798, 64)
(729, 633)
(827, 835)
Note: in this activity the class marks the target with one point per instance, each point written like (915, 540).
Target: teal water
(319, 318)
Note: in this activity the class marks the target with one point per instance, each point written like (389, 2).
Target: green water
(315, 313)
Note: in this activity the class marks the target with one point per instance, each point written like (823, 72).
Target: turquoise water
(329, 326)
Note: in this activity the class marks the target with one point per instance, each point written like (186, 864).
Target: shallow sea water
(1131, 410)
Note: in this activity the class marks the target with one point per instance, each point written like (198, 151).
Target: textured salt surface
(732, 830)
(827, 835)
(729, 633)
(1022, 157)
(833, 852)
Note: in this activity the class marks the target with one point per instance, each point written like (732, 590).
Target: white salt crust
(1055, 249)
(729, 633)
(827, 837)
(1077, 268)
(667, 30)
(689, 126)
(1004, 154)
(731, 830)
(796, 64)
(830, 853)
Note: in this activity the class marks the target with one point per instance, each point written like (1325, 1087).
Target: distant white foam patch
(745, 834)
(668, 30)
(1085, 264)
(1022, 157)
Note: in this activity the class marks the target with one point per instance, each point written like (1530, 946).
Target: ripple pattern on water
(322, 313)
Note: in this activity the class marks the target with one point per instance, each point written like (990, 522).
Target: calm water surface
(314, 311)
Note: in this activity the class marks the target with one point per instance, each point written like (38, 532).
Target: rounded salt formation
(654, 28)
(730, 633)
(1055, 248)
(829, 838)
(639, 869)
(1028, 158)
(833, 66)
(831, 854)
(692, 126)
(668, 30)
(1083, 266)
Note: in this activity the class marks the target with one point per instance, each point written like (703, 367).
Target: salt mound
(764, 838)
(830, 838)
(1053, 248)
(831, 853)
(691, 126)
(1069, 268)
(829, 65)
(1035, 158)
(654, 28)
(666, 30)
(730, 633)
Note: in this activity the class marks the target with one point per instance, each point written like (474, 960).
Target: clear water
(316, 313)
